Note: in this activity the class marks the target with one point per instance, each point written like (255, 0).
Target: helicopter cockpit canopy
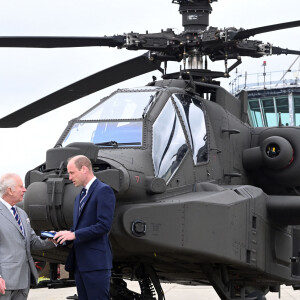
(118, 121)
(115, 121)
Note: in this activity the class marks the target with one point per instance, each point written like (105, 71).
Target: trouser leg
(81, 291)
(15, 295)
(97, 284)
(6, 296)
(20, 294)
(93, 285)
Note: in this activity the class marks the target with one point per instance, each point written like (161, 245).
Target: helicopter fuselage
(176, 161)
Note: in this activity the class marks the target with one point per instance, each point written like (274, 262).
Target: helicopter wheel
(119, 290)
(148, 281)
(257, 296)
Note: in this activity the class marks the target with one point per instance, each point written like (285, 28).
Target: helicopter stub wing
(91, 84)
(61, 42)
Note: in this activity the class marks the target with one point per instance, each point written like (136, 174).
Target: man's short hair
(7, 181)
(80, 161)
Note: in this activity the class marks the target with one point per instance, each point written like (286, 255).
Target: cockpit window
(121, 106)
(169, 144)
(115, 122)
(193, 118)
(120, 134)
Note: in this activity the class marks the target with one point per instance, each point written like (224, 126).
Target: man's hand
(2, 286)
(53, 241)
(64, 235)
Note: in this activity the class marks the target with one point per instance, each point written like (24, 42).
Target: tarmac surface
(172, 292)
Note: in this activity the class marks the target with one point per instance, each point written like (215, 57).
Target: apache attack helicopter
(202, 197)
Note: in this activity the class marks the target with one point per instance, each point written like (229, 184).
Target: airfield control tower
(271, 96)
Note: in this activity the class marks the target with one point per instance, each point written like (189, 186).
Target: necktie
(82, 199)
(18, 220)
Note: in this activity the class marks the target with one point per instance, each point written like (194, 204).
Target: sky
(27, 75)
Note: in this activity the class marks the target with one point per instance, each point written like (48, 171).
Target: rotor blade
(61, 42)
(251, 32)
(278, 50)
(118, 73)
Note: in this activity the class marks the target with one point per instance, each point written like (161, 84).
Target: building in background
(273, 97)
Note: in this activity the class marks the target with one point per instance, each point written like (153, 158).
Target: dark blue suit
(91, 257)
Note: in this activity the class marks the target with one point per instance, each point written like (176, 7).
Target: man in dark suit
(90, 258)
(17, 238)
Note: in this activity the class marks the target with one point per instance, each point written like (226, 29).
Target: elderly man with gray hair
(17, 239)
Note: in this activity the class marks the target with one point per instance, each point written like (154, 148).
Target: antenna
(288, 70)
(264, 65)
(297, 74)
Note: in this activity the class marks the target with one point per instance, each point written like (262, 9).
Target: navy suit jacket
(91, 249)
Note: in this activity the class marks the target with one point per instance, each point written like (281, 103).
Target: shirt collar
(6, 204)
(89, 184)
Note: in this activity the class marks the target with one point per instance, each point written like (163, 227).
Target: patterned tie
(82, 199)
(18, 220)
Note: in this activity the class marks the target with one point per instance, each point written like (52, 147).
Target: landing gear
(257, 295)
(219, 278)
(149, 285)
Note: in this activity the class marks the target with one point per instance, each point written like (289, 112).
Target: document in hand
(48, 234)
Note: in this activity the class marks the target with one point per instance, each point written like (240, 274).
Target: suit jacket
(16, 262)
(91, 249)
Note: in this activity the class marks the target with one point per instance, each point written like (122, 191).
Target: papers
(48, 234)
